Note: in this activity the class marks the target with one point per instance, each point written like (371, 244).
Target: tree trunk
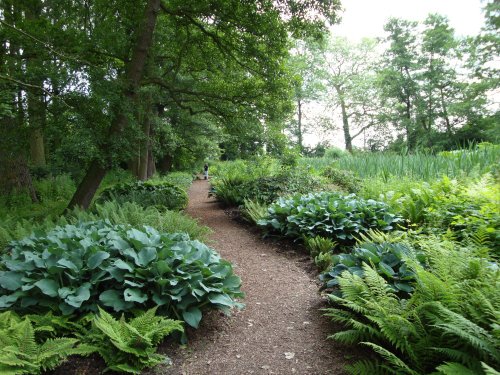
(299, 125)
(345, 120)
(142, 170)
(36, 99)
(133, 75)
(445, 112)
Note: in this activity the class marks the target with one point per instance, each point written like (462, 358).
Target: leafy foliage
(21, 354)
(390, 260)
(345, 179)
(76, 268)
(129, 346)
(328, 215)
(254, 211)
(449, 322)
(234, 191)
(162, 195)
(130, 213)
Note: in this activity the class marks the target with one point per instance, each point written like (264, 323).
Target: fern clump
(449, 323)
(129, 346)
(20, 353)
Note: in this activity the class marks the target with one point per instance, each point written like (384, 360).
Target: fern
(21, 354)
(254, 211)
(366, 367)
(129, 346)
(453, 368)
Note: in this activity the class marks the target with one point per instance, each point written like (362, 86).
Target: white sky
(366, 18)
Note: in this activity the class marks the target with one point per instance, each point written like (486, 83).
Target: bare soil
(280, 331)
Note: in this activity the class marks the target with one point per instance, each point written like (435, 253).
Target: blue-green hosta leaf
(96, 259)
(232, 282)
(48, 287)
(139, 239)
(114, 298)
(404, 287)
(163, 267)
(122, 265)
(7, 301)
(146, 256)
(192, 316)
(65, 291)
(134, 295)
(386, 270)
(220, 299)
(81, 295)
(66, 263)
(16, 265)
(11, 280)
(160, 300)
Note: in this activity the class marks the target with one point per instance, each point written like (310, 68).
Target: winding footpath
(280, 331)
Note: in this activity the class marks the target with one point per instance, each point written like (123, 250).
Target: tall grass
(419, 166)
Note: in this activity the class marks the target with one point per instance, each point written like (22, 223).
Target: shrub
(265, 189)
(77, 268)
(328, 215)
(344, 179)
(162, 195)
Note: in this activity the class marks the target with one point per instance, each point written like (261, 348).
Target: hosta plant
(329, 215)
(388, 259)
(76, 268)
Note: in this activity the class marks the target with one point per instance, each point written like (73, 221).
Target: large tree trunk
(36, 99)
(133, 75)
(445, 112)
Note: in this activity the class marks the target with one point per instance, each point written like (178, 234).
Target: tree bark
(345, 119)
(133, 75)
(36, 100)
(299, 125)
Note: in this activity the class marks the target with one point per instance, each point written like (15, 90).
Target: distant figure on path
(205, 171)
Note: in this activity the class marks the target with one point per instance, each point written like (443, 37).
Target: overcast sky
(366, 18)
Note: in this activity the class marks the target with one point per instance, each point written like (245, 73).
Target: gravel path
(280, 331)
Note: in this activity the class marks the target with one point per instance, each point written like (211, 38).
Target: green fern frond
(366, 367)
(351, 336)
(393, 361)
(453, 368)
(488, 370)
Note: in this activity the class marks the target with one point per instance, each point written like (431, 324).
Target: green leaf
(220, 299)
(192, 316)
(95, 260)
(48, 287)
(113, 298)
(122, 265)
(81, 295)
(66, 263)
(134, 295)
(386, 269)
(11, 280)
(146, 256)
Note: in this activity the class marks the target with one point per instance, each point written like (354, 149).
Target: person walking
(205, 171)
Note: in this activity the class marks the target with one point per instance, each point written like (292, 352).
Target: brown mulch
(280, 331)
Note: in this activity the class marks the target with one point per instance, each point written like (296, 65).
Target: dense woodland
(109, 109)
